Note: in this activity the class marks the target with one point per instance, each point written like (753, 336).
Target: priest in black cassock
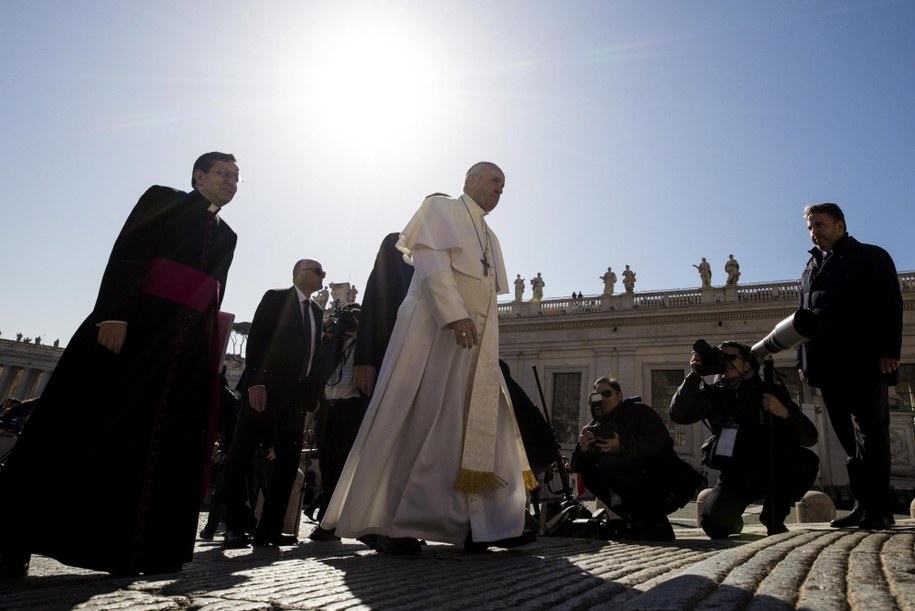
(123, 431)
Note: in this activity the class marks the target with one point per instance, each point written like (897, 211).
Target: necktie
(306, 320)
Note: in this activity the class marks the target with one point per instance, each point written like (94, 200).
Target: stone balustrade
(783, 290)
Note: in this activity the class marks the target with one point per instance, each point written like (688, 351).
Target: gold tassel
(474, 482)
(530, 482)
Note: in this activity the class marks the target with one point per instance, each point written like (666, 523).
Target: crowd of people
(407, 454)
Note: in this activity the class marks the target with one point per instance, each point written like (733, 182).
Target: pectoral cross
(485, 265)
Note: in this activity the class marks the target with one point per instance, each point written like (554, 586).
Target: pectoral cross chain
(484, 247)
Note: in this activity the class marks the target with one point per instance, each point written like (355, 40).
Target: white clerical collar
(214, 210)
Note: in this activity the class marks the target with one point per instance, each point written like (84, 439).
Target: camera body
(603, 429)
(344, 320)
(712, 358)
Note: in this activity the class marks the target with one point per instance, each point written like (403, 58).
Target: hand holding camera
(600, 437)
(771, 404)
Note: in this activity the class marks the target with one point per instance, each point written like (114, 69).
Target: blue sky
(649, 133)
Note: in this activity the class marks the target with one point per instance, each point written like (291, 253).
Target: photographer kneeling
(747, 449)
(628, 450)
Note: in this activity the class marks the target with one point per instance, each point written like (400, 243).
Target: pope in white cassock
(439, 454)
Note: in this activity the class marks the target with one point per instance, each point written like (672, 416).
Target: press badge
(726, 440)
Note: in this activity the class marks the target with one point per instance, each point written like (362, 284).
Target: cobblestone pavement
(811, 567)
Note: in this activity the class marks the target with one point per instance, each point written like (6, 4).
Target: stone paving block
(867, 586)
(899, 567)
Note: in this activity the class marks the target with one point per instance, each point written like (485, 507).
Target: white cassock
(439, 454)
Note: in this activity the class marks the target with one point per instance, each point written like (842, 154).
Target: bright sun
(369, 83)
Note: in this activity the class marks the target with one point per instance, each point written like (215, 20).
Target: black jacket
(277, 348)
(720, 405)
(642, 433)
(857, 298)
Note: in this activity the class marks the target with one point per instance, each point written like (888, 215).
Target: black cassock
(108, 473)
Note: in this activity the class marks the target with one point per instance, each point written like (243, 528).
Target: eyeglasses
(226, 175)
(606, 394)
(316, 270)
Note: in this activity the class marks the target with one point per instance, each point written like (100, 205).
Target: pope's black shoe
(398, 546)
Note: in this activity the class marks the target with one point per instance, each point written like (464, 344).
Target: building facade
(25, 368)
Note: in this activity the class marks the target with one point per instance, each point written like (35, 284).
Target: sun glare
(370, 85)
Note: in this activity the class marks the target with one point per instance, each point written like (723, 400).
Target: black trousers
(288, 423)
(860, 416)
(338, 423)
(735, 490)
(634, 481)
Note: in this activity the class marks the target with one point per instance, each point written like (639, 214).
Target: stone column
(5, 381)
(24, 383)
(625, 370)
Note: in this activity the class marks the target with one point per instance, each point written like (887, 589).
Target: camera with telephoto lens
(603, 429)
(712, 358)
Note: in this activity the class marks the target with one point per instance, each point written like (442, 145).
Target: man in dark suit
(283, 380)
(854, 290)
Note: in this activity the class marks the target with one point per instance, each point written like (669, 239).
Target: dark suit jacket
(385, 290)
(277, 349)
(856, 296)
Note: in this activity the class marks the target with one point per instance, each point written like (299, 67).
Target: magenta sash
(179, 282)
